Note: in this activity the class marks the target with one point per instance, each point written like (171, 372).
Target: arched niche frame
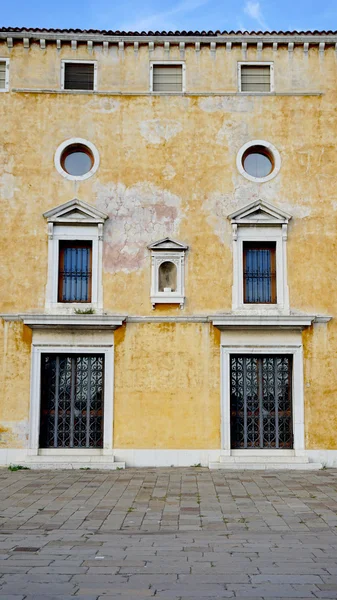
(168, 272)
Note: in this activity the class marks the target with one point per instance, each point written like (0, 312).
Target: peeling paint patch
(227, 104)
(219, 206)
(14, 434)
(169, 172)
(233, 133)
(296, 210)
(104, 105)
(158, 131)
(139, 215)
(7, 179)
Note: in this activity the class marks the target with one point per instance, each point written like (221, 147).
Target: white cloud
(163, 20)
(253, 10)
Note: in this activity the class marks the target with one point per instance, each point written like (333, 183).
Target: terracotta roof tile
(104, 32)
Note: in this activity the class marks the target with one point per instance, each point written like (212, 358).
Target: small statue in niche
(167, 277)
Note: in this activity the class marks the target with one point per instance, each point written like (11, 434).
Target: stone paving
(168, 534)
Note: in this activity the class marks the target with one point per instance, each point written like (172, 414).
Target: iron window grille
(259, 272)
(75, 260)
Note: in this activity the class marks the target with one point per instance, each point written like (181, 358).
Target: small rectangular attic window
(255, 78)
(3, 75)
(167, 78)
(79, 76)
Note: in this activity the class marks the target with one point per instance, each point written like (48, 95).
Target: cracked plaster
(104, 105)
(7, 179)
(14, 432)
(158, 131)
(138, 215)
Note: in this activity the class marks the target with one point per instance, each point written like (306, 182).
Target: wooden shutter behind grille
(78, 76)
(255, 78)
(167, 78)
(2, 75)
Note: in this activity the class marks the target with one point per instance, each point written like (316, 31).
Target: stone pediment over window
(75, 251)
(168, 272)
(259, 213)
(75, 211)
(168, 244)
(260, 232)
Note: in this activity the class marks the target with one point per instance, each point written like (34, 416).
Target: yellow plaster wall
(15, 344)
(168, 167)
(167, 379)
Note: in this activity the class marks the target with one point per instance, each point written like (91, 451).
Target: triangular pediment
(168, 244)
(75, 211)
(259, 212)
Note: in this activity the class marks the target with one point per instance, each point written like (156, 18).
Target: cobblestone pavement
(168, 534)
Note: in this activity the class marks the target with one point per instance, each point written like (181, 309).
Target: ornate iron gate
(72, 395)
(261, 403)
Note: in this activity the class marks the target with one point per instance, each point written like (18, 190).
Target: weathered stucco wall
(15, 343)
(168, 167)
(167, 381)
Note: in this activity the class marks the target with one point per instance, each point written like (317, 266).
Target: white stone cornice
(254, 321)
(234, 38)
(84, 321)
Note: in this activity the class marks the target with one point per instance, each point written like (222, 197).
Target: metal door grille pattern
(261, 404)
(71, 401)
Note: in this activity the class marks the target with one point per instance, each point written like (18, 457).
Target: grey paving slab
(168, 534)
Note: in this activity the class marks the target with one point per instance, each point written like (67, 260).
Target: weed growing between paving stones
(18, 468)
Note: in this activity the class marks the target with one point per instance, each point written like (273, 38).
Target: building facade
(168, 227)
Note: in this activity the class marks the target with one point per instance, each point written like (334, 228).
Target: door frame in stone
(35, 394)
(273, 348)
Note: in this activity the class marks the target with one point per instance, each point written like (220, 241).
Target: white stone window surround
(169, 63)
(260, 222)
(71, 142)
(68, 223)
(6, 61)
(67, 347)
(80, 62)
(256, 64)
(276, 158)
(168, 250)
(257, 343)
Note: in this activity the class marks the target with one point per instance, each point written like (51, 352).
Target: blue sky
(177, 14)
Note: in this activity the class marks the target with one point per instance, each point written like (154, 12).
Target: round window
(258, 161)
(76, 159)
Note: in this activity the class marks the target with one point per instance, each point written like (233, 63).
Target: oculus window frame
(269, 150)
(76, 143)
